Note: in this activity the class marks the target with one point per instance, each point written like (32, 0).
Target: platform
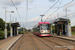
(72, 38)
(5, 44)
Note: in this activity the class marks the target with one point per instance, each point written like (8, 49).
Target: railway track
(32, 42)
(29, 40)
(23, 40)
(41, 41)
(20, 43)
(44, 43)
(60, 44)
(66, 41)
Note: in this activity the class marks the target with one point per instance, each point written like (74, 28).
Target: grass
(73, 33)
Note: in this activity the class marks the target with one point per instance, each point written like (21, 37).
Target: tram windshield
(44, 26)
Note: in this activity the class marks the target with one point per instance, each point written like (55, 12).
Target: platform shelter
(62, 27)
(14, 28)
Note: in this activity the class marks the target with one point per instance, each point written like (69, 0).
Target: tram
(42, 29)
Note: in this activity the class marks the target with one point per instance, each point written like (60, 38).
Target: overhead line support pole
(5, 26)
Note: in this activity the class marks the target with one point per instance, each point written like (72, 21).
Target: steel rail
(44, 43)
(33, 42)
(63, 40)
(55, 43)
(21, 43)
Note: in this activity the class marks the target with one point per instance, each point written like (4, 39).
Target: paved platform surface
(6, 43)
(72, 38)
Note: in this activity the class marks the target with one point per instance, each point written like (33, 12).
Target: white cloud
(30, 1)
(9, 3)
(34, 19)
(55, 15)
(52, 0)
(73, 22)
(30, 23)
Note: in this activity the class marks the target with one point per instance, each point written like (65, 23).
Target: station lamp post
(66, 12)
(10, 25)
(6, 24)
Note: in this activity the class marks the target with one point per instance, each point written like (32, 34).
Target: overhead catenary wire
(61, 7)
(67, 4)
(36, 20)
(57, 9)
(51, 7)
(69, 14)
(54, 12)
(16, 10)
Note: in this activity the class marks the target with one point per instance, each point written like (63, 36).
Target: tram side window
(36, 29)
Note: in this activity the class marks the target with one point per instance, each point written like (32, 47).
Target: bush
(21, 32)
(8, 33)
(73, 29)
(1, 34)
(73, 33)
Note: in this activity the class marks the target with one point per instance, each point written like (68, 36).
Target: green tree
(8, 26)
(2, 24)
(2, 27)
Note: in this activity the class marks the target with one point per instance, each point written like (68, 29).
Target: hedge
(8, 33)
(1, 34)
(21, 32)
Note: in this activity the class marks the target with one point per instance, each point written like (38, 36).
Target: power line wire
(60, 8)
(44, 13)
(36, 20)
(54, 12)
(51, 7)
(16, 10)
(67, 3)
(57, 9)
(68, 14)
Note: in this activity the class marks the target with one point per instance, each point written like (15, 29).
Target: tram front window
(44, 26)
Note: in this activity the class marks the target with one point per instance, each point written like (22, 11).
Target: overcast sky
(35, 9)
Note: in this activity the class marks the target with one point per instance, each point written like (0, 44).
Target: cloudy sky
(35, 9)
